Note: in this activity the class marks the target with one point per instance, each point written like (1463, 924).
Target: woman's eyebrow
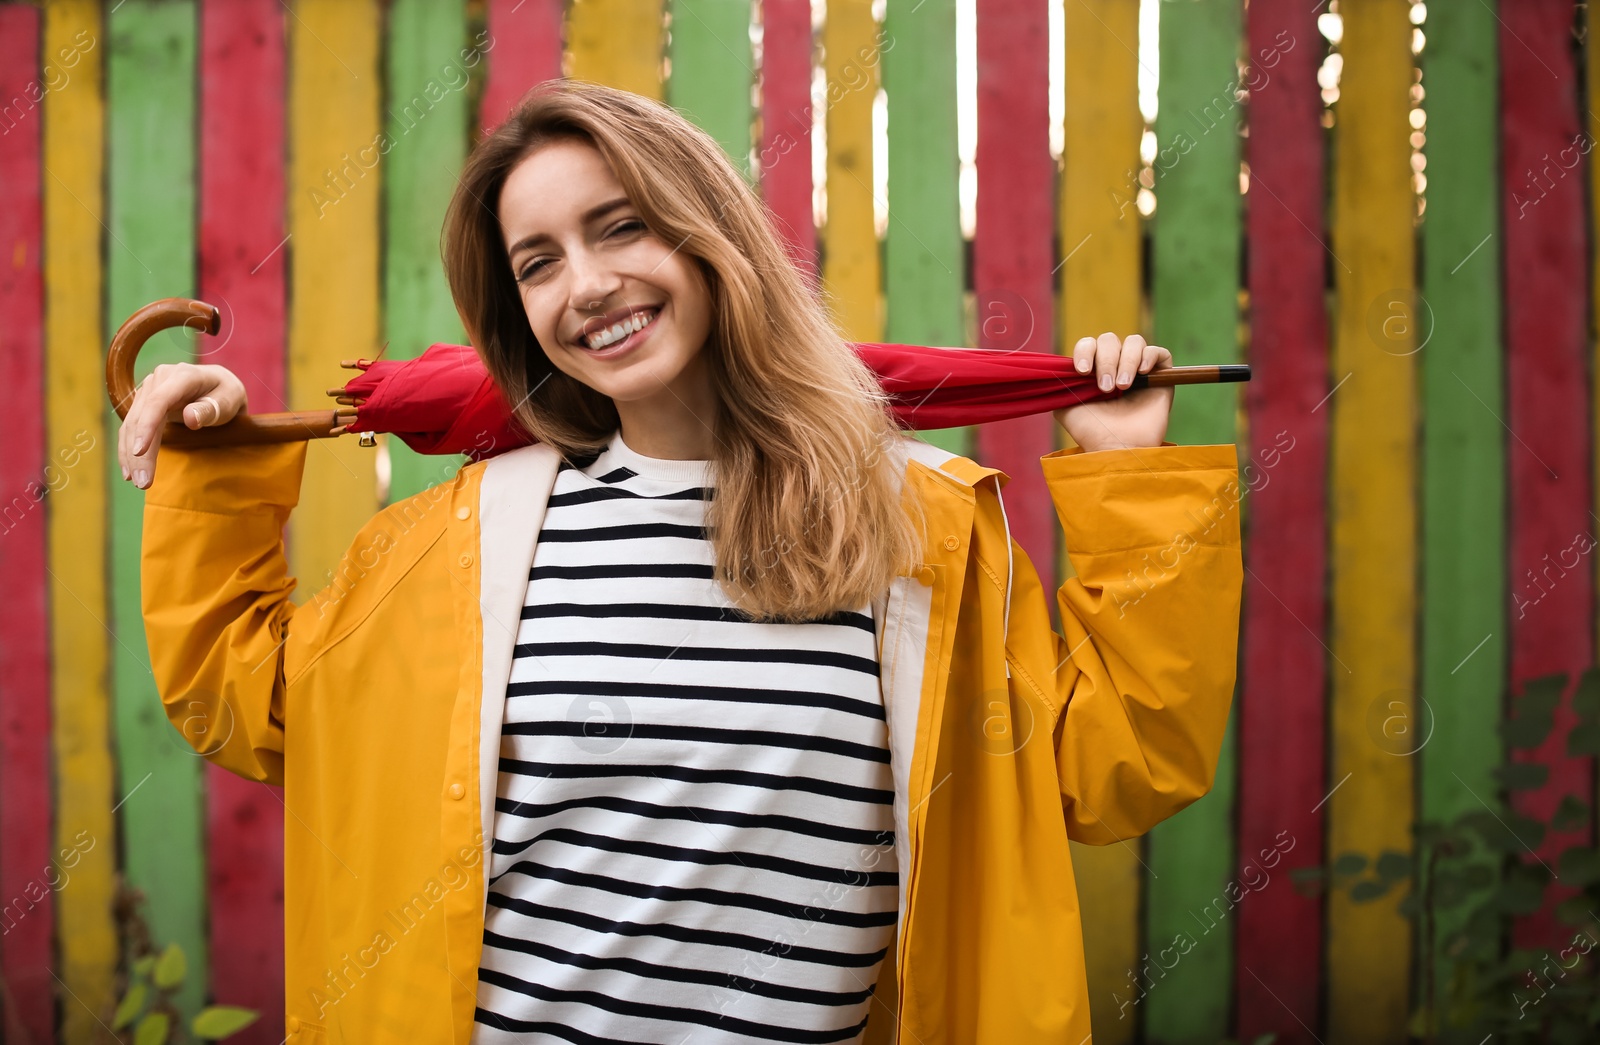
(591, 214)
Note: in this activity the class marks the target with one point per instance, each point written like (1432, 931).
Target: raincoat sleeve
(1148, 655)
(214, 589)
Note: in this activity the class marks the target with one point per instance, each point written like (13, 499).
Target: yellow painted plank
(1374, 474)
(74, 130)
(618, 43)
(850, 266)
(1099, 286)
(335, 171)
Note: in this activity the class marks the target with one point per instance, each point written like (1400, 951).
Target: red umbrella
(444, 402)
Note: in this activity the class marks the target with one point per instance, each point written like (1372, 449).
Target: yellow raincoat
(377, 705)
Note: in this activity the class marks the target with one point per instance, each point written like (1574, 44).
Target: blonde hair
(807, 518)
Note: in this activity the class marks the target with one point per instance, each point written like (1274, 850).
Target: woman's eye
(531, 270)
(632, 224)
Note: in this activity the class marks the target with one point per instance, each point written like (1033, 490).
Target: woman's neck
(669, 428)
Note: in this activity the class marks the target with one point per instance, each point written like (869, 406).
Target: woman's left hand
(1133, 419)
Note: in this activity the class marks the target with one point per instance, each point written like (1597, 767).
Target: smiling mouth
(608, 336)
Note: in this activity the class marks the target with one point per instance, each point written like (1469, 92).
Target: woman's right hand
(197, 396)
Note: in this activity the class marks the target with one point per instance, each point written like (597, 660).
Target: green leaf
(1266, 1039)
(1586, 698)
(152, 1030)
(143, 966)
(1308, 874)
(1410, 905)
(1584, 739)
(219, 1021)
(1393, 865)
(1350, 863)
(129, 1008)
(1575, 910)
(1367, 890)
(1522, 776)
(1534, 712)
(1478, 876)
(1519, 895)
(1580, 865)
(1571, 814)
(172, 967)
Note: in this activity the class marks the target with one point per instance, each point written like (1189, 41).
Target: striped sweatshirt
(693, 833)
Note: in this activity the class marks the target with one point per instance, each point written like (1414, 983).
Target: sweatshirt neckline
(620, 453)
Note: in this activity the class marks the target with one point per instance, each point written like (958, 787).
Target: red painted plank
(1281, 705)
(786, 112)
(28, 877)
(1546, 264)
(1012, 248)
(241, 270)
(524, 49)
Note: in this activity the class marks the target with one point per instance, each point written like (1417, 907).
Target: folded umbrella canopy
(444, 402)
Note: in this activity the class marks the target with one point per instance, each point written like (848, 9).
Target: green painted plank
(1195, 303)
(150, 176)
(923, 249)
(427, 126)
(711, 76)
(1463, 450)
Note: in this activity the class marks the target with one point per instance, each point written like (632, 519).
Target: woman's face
(585, 262)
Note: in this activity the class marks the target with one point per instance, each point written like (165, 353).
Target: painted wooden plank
(335, 154)
(29, 876)
(1463, 448)
(150, 90)
(784, 159)
(525, 38)
(1195, 301)
(712, 72)
(430, 65)
(1546, 251)
(1373, 460)
(1099, 250)
(924, 254)
(242, 262)
(851, 270)
(80, 640)
(1282, 696)
(1011, 250)
(617, 42)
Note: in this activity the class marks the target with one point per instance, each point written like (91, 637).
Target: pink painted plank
(241, 271)
(1282, 695)
(1547, 384)
(28, 876)
(786, 114)
(1012, 250)
(523, 49)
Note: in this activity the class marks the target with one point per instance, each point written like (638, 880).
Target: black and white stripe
(693, 834)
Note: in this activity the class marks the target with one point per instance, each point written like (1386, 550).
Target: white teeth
(615, 333)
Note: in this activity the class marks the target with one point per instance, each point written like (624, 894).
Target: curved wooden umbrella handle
(243, 430)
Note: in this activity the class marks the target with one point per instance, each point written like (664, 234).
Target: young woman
(726, 711)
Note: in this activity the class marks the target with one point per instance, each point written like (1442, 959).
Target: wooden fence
(1416, 444)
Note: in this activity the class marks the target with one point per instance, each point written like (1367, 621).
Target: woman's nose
(592, 281)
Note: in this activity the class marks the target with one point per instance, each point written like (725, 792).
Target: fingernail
(1083, 365)
(141, 478)
(1105, 382)
(138, 445)
(1124, 377)
(125, 474)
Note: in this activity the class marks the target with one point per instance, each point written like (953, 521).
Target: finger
(1107, 350)
(1155, 358)
(1128, 360)
(203, 411)
(1083, 354)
